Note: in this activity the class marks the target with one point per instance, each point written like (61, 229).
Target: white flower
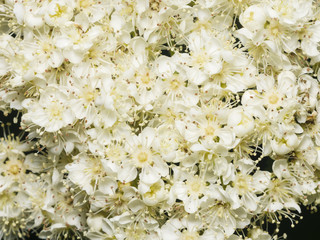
(253, 18)
(29, 13)
(142, 156)
(285, 144)
(271, 97)
(93, 10)
(98, 223)
(113, 197)
(188, 228)
(153, 194)
(177, 89)
(223, 211)
(192, 190)
(87, 172)
(240, 122)
(13, 148)
(85, 99)
(58, 12)
(281, 193)
(48, 54)
(248, 186)
(205, 57)
(52, 111)
(74, 43)
(259, 234)
(310, 39)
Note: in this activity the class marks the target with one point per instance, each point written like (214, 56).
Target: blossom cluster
(156, 119)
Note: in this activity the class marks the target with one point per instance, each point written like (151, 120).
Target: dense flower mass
(158, 119)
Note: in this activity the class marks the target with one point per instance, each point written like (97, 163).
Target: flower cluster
(158, 119)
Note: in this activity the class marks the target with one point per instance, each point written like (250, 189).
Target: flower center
(186, 235)
(6, 198)
(195, 186)
(14, 169)
(55, 111)
(59, 10)
(88, 94)
(209, 131)
(200, 59)
(142, 157)
(273, 99)
(279, 190)
(85, 3)
(153, 190)
(145, 79)
(273, 27)
(174, 84)
(242, 184)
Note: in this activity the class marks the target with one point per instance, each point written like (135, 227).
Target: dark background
(307, 229)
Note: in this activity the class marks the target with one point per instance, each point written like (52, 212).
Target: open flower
(52, 112)
(143, 157)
